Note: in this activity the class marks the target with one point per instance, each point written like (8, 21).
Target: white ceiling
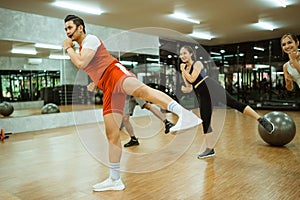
(230, 21)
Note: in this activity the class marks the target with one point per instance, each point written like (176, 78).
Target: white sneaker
(109, 184)
(187, 120)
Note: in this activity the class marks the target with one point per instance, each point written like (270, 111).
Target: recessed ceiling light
(259, 48)
(266, 25)
(128, 63)
(48, 46)
(153, 59)
(182, 16)
(278, 3)
(24, 50)
(59, 56)
(78, 7)
(200, 35)
(283, 3)
(215, 53)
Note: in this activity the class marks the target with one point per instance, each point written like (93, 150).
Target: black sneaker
(131, 143)
(207, 153)
(168, 125)
(4, 138)
(269, 126)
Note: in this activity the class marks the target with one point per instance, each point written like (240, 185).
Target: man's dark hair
(76, 20)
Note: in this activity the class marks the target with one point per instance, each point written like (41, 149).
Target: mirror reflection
(252, 72)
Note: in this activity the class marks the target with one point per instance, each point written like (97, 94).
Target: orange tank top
(99, 63)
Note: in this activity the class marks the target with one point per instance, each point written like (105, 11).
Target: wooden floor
(54, 164)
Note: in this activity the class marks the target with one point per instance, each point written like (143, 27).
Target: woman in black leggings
(209, 92)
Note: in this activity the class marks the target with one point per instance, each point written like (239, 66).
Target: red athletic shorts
(111, 84)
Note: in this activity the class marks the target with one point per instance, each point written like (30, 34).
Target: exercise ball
(50, 108)
(6, 108)
(285, 129)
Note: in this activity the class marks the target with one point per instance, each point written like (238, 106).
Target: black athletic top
(200, 76)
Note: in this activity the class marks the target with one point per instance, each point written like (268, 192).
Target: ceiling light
(229, 56)
(216, 57)
(185, 18)
(78, 7)
(153, 59)
(215, 53)
(24, 50)
(278, 3)
(128, 63)
(261, 66)
(48, 46)
(59, 57)
(283, 3)
(259, 48)
(201, 35)
(266, 25)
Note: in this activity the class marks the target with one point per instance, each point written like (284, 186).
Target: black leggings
(209, 93)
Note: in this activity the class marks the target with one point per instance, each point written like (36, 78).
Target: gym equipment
(50, 108)
(285, 129)
(6, 108)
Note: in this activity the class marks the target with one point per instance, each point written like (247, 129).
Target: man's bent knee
(142, 92)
